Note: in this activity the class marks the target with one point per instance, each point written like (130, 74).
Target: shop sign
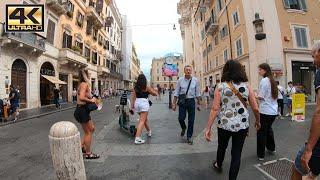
(47, 72)
(298, 107)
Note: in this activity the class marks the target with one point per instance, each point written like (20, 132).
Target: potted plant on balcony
(76, 49)
(70, 14)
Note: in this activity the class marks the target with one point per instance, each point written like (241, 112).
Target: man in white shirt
(281, 95)
(290, 91)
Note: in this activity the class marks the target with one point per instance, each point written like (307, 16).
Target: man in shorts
(14, 98)
(308, 158)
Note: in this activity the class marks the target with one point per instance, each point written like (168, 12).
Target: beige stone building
(156, 70)
(135, 69)
(278, 32)
(78, 33)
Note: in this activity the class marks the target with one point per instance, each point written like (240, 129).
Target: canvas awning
(53, 79)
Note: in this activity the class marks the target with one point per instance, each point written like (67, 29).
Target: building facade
(135, 69)
(78, 34)
(280, 33)
(126, 52)
(156, 70)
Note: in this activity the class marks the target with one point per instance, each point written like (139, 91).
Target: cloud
(152, 27)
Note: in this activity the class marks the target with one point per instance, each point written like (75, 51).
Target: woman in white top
(268, 95)
(290, 91)
(232, 115)
(206, 96)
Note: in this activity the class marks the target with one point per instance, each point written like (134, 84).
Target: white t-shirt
(291, 91)
(268, 105)
(281, 92)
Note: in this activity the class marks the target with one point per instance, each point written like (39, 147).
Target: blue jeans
(314, 162)
(56, 102)
(190, 107)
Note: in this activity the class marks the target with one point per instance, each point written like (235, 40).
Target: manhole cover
(277, 170)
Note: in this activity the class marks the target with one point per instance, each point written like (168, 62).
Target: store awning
(53, 79)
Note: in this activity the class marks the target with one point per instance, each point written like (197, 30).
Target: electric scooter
(124, 118)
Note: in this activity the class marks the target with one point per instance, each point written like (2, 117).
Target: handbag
(182, 97)
(150, 103)
(237, 93)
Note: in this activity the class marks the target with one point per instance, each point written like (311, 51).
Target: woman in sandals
(230, 110)
(82, 113)
(140, 103)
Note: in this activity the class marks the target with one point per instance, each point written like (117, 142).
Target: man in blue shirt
(14, 102)
(308, 158)
(189, 103)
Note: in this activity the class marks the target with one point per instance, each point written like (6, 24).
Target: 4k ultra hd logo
(24, 18)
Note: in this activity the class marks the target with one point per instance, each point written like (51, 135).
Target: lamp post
(170, 93)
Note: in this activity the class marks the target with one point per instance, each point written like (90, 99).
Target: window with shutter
(50, 32)
(303, 5)
(301, 37)
(64, 40)
(69, 43)
(286, 4)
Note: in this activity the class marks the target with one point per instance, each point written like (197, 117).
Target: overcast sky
(152, 41)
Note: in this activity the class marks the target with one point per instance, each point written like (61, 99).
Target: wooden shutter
(64, 40)
(303, 5)
(69, 41)
(286, 4)
(50, 31)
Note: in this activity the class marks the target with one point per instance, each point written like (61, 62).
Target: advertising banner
(169, 70)
(298, 107)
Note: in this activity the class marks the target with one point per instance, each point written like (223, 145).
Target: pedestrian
(308, 159)
(74, 95)
(82, 113)
(14, 98)
(290, 91)
(56, 97)
(281, 95)
(206, 96)
(230, 110)
(268, 95)
(187, 89)
(141, 104)
(159, 91)
(96, 93)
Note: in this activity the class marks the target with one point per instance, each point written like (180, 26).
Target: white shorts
(142, 105)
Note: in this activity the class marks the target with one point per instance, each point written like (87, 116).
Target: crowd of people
(231, 101)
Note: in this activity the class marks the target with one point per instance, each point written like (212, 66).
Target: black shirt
(56, 93)
(142, 94)
(15, 99)
(317, 87)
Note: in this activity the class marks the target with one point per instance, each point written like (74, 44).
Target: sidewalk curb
(35, 116)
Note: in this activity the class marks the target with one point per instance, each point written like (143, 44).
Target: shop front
(303, 74)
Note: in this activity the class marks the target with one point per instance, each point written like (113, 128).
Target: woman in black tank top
(140, 103)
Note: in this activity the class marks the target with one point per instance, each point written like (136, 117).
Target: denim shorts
(314, 162)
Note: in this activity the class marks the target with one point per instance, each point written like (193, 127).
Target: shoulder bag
(182, 97)
(237, 93)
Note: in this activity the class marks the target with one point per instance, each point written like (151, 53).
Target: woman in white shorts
(140, 103)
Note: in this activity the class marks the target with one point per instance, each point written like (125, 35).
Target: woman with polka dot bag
(230, 110)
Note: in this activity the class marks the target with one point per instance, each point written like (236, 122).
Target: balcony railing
(116, 75)
(28, 40)
(57, 6)
(94, 17)
(211, 26)
(69, 55)
(103, 70)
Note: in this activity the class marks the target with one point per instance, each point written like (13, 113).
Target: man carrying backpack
(14, 98)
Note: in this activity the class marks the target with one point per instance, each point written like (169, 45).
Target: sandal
(91, 156)
(215, 167)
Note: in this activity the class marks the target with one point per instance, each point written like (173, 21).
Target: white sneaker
(139, 141)
(261, 159)
(288, 114)
(149, 134)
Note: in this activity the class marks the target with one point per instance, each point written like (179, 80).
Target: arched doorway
(46, 87)
(19, 79)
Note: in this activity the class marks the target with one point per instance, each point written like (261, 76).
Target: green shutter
(286, 4)
(303, 5)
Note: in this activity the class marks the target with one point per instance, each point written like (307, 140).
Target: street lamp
(168, 60)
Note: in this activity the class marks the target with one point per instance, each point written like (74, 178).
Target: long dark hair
(274, 86)
(207, 89)
(82, 74)
(233, 71)
(141, 83)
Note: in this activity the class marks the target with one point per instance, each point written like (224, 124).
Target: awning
(53, 79)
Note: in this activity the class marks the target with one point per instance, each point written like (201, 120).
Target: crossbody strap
(188, 86)
(237, 93)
